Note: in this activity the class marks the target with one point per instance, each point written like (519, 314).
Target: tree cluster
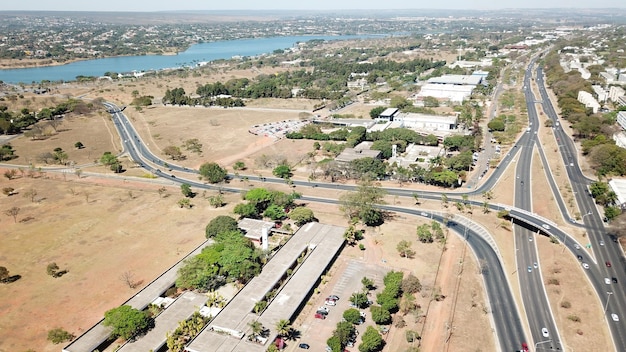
(127, 321)
(269, 203)
(232, 257)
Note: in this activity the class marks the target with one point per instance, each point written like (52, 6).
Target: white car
(607, 281)
(576, 246)
(602, 243)
(545, 332)
(324, 309)
(546, 226)
(585, 265)
(614, 317)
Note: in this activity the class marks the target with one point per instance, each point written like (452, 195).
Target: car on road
(576, 246)
(607, 281)
(585, 265)
(608, 264)
(614, 279)
(580, 257)
(424, 214)
(304, 346)
(530, 238)
(546, 226)
(524, 347)
(544, 332)
(615, 317)
(535, 265)
(333, 297)
(530, 269)
(601, 243)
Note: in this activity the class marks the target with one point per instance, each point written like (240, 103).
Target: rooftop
(456, 79)
(618, 185)
(323, 242)
(254, 228)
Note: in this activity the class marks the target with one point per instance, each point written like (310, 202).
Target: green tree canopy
(380, 315)
(352, 315)
(220, 224)
(126, 321)
(212, 172)
(301, 215)
(371, 341)
(282, 171)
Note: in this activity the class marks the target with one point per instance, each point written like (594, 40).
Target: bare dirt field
(97, 229)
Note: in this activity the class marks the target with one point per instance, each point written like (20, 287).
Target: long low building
(427, 122)
(98, 334)
(320, 244)
(453, 92)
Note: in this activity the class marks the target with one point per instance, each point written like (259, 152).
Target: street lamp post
(606, 306)
(542, 342)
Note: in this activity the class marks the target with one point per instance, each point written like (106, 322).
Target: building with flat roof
(621, 119)
(427, 122)
(389, 114)
(589, 101)
(446, 91)
(618, 185)
(472, 80)
(318, 245)
(620, 139)
(362, 150)
(253, 228)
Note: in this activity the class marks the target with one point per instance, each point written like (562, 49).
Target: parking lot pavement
(345, 280)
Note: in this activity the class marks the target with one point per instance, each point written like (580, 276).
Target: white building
(472, 80)
(620, 139)
(618, 185)
(600, 92)
(452, 92)
(621, 119)
(427, 122)
(589, 101)
(615, 92)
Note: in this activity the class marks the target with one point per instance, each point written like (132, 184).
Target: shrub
(554, 281)
(59, 335)
(574, 318)
(566, 304)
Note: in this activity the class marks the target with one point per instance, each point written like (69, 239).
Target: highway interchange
(509, 328)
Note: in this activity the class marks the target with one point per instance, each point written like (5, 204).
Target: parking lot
(345, 280)
(277, 130)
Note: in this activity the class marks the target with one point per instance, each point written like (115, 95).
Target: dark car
(614, 279)
(608, 264)
(304, 346)
(580, 257)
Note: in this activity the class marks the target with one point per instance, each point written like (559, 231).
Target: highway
(532, 289)
(612, 296)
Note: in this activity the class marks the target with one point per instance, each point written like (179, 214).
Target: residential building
(615, 92)
(621, 119)
(589, 101)
(600, 92)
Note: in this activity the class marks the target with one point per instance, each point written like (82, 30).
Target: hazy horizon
(242, 5)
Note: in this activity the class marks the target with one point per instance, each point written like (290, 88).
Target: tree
(371, 341)
(173, 152)
(256, 327)
(162, 191)
(359, 299)
(10, 174)
(376, 111)
(411, 284)
(404, 249)
(14, 211)
(424, 234)
(108, 159)
(282, 171)
(128, 277)
(380, 315)
(31, 194)
(79, 145)
(368, 284)
(352, 315)
(345, 330)
(220, 224)
(59, 335)
(246, 210)
(283, 328)
(361, 203)
(184, 203)
(387, 300)
(274, 212)
(239, 165)
(301, 215)
(334, 343)
(217, 201)
(185, 189)
(212, 172)
(126, 321)
(407, 303)
(612, 212)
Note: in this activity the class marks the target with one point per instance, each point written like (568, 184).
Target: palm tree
(283, 327)
(256, 326)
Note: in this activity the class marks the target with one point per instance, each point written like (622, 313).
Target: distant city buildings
(589, 101)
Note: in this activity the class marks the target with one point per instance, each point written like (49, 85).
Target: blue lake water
(196, 53)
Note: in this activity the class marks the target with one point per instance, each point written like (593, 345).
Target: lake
(196, 53)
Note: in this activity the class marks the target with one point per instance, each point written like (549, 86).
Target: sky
(168, 5)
